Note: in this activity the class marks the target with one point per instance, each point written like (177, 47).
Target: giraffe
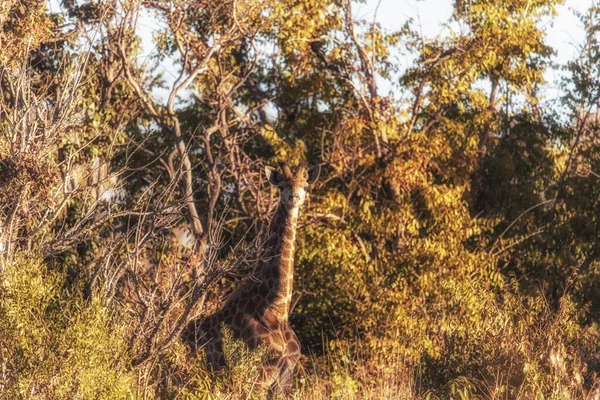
(257, 310)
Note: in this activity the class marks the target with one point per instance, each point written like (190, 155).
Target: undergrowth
(53, 344)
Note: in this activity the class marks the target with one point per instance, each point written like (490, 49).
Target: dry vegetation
(449, 251)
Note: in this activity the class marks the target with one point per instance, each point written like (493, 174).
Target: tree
(435, 250)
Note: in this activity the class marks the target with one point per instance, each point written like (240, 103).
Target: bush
(54, 345)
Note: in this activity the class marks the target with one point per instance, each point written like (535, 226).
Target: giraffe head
(293, 183)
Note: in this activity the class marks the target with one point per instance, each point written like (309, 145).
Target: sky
(431, 14)
(563, 32)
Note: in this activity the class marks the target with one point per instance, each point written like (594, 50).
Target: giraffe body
(257, 311)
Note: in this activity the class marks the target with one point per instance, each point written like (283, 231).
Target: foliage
(244, 369)
(448, 252)
(53, 346)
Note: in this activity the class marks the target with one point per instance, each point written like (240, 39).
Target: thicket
(449, 250)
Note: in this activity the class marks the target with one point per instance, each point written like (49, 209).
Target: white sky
(563, 33)
(431, 14)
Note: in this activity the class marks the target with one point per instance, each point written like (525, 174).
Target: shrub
(54, 345)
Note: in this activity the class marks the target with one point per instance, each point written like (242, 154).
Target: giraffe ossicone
(257, 311)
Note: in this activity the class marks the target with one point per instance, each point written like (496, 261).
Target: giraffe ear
(273, 176)
(313, 174)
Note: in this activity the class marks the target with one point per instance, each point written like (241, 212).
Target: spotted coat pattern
(257, 311)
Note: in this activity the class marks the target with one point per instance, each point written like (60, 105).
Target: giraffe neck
(278, 271)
